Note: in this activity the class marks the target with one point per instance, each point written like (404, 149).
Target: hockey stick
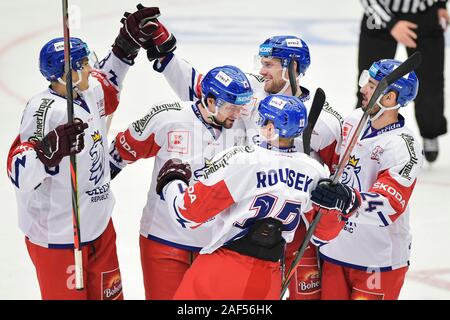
(406, 67)
(108, 122)
(292, 80)
(314, 112)
(73, 163)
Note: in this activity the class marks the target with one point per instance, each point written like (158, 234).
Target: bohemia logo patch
(350, 176)
(178, 141)
(308, 279)
(97, 153)
(111, 285)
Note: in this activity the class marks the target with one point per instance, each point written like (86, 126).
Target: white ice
(209, 33)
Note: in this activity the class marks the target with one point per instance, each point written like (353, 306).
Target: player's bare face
(271, 70)
(227, 114)
(85, 73)
(367, 91)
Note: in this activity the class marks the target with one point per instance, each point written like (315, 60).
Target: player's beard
(364, 102)
(273, 86)
(227, 123)
(374, 110)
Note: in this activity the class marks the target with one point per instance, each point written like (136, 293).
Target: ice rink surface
(209, 33)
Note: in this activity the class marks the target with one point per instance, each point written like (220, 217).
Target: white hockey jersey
(44, 198)
(169, 130)
(185, 81)
(384, 166)
(241, 185)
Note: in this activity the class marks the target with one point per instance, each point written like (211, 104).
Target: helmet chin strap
(287, 84)
(382, 109)
(74, 85)
(211, 116)
(263, 138)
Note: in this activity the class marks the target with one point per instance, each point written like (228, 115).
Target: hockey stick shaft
(313, 116)
(406, 67)
(73, 163)
(314, 112)
(292, 80)
(108, 122)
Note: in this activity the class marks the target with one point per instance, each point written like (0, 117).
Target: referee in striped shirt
(418, 25)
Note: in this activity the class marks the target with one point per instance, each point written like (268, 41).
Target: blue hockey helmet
(228, 84)
(287, 48)
(287, 113)
(406, 87)
(51, 57)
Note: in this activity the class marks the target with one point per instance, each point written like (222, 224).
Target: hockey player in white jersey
(277, 54)
(38, 164)
(369, 259)
(252, 199)
(194, 132)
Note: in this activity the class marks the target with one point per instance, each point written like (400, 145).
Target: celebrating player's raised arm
(182, 77)
(38, 161)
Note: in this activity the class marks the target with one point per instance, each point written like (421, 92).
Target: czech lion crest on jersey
(350, 175)
(97, 153)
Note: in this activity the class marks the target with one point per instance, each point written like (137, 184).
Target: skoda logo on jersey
(97, 153)
(350, 176)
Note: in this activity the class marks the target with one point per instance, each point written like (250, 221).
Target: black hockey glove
(336, 197)
(173, 169)
(136, 30)
(65, 140)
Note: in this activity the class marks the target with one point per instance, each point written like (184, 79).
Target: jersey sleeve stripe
(202, 202)
(131, 149)
(110, 93)
(397, 194)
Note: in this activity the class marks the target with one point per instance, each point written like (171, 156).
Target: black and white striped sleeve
(442, 4)
(379, 12)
